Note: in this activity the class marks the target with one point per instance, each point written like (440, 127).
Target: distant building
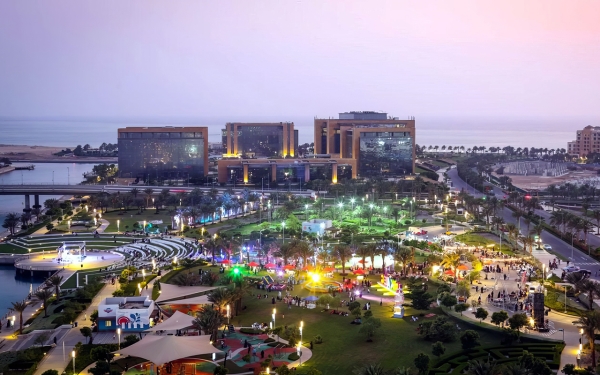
(259, 140)
(131, 314)
(381, 145)
(163, 152)
(587, 141)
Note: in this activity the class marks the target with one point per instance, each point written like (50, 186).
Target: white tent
(177, 321)
(171, 292)
(163, 349)
(200, 300)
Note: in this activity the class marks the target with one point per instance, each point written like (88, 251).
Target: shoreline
(109, 160)
(46, 154)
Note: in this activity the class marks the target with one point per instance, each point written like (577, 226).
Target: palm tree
(303, 250)
(589, 322)
(148, 192)
(221, 298)
(363, 252)
(452, 260)
(55, 281)
(404, 255)
(44, 295)
(11, 221)
(370, 370)
(286, 251)
(19, 308)
(528, 243)
(344, 253)
(479, 367)
(591, 289)
(208, 320)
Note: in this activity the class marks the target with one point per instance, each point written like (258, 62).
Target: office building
(587, 141)
(381, 145)
(163, 152)
(259, 140)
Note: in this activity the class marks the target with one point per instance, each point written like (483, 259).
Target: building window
(108, 323)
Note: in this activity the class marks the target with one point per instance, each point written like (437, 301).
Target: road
(559, 247)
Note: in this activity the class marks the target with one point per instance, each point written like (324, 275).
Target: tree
(344, 253)
(44, 295)
(55, 281)
(421, 362)
(517, 321)
(11, 221)
(369, 327)
(469, 339)
(448, 300)
(589, 322)
(438, 348)
(420, 298)
(481, 314)
(19, 308)
(50, 372)
(87, 332)
(403, 255)
(461, 307)
(370, 369)
(479, 367)
(208, 320)
(499, 317)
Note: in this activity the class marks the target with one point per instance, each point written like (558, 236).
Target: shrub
(318, 339)
(50, 372)
(246, 358)
(293, 356)
(469, 339)
(250, 331)
(268, 340)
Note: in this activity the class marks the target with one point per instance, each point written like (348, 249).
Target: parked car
(585, 273)
(571, 269)
(547, 247)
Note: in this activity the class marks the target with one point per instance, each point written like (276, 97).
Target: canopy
(449, 272)
(269, 265)
(253, 264)
(328, 269)
(226, 261)
(288, 267)
(359, 272)
(311, 298)
(462, 267)
(361, 261)
(200, 300)
(307, 268)
(163, 349)
(177, 321)
(171, 292)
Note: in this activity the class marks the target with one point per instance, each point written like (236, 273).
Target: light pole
(283, 231)
(299, 353)
(118, 226)
(228, 314)
(306, 211)
(352, 201)
(273, 316)
(73, 355)
(119, 335)
(341, 206)
(68, 176)
(301, 326)
(370, 216)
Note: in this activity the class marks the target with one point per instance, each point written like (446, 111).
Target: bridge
(50, 189)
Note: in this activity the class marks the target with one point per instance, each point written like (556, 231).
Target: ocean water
(14, 289)
(549, 132)
(44, 173)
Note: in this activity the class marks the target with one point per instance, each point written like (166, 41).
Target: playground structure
(269, 283)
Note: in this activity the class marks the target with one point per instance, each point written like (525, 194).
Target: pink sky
(215, 58)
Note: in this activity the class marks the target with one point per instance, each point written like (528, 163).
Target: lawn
(395, 344)
(128, 218)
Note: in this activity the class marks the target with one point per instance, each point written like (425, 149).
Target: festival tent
(226, 261)
(288, 267)
(311, 298)
(462, 267)
(176, 322)
(253, 264)
(358, 272)
(172, 292)
(328, 269)
(163, 349)
(269, 265)
(199, 300)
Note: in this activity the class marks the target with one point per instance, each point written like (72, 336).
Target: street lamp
(301, 326)
(306, 211)
(118, 225)
(228, 314)
(354, 200)
(144, 228)
(283, 231)
(119, 335)
(299, 352)
(143, 275)
(273, 315)
(73, 355)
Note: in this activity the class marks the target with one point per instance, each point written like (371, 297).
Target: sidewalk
(58, 360)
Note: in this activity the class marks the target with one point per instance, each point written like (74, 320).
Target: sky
(251, 58)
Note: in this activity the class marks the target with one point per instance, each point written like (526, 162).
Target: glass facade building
(259, 140)
(165, 152)
(385, 153)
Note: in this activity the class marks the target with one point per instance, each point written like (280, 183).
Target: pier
(29, 167)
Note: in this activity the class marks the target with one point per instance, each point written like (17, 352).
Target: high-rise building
(587, 141)
(381, 145)
(163, 152)
(259, 140)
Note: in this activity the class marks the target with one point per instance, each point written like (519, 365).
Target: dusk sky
(213, 58)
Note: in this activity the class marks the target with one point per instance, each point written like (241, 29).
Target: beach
(45, 154)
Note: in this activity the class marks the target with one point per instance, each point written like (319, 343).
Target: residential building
(587, 141)
(259, 140)
(163, 152)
